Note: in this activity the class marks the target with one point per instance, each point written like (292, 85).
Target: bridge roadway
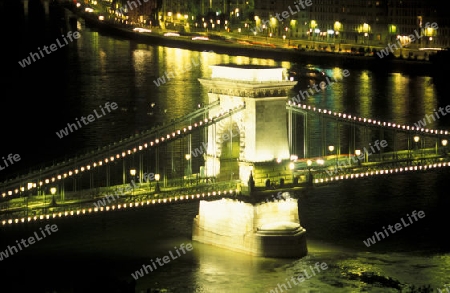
(319, 170)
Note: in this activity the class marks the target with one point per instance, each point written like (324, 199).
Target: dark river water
(92, 252)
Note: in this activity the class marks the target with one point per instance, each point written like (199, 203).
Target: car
(142, 30)
(200, 38)
(171, 34)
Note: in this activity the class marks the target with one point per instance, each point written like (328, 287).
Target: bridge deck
(323, 169)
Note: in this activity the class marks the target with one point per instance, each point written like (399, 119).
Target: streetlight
(416, 140)
(53, 191)
(189, 168)
(320, 162)
(157, 189)
(313, 26)
(444, 144)
(331, 149)
(337, 28)
(132, 173)
(357, 154)
(29, 186)
(291, 167)
(310, 177)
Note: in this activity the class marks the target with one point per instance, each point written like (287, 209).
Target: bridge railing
(42, 206)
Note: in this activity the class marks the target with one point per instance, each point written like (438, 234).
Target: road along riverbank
(233, 48)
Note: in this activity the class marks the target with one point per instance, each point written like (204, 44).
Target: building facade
(365, 22)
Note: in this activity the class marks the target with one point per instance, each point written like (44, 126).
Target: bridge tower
(251, 142)
(256, 137)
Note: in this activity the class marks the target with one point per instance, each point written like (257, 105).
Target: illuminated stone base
(268, 229)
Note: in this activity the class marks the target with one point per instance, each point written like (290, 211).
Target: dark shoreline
(412, 67)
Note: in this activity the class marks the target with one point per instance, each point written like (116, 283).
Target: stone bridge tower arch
(262, 126)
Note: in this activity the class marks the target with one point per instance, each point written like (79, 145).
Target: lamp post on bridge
(357, 154)
(157, 188)
(444, 144)
(133, 174)
(320, 162)
(331, 149)
(310, 177)
(416, 140)
(188, 168)
(53, 191)
(291, 167)
(27, 195)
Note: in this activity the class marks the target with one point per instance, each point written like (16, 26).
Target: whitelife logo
(390, 47)
(284, 14)
(422, 123)
(357, 159)
(162, 80)
(11, 158)
(37, 56)
(317, 87)
(12, 249)
(301, 278)
(397, 226)
(90, 118)
(166, 259)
